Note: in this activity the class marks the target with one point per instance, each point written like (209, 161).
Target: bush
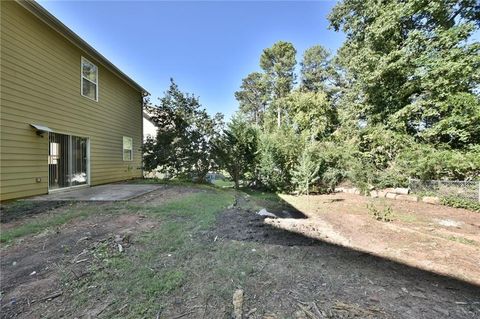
(461, 203)
(425, 162)
(278, 155)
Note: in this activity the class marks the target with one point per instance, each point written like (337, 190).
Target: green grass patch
(458, 202)
(46, 221)
(159, 261)
(223, 183)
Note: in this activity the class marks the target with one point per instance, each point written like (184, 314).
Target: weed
(385, 214)
(462, 240)
(458, 202)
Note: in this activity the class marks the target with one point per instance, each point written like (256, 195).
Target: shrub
(384, 215)
(458, 202)
(278, 155)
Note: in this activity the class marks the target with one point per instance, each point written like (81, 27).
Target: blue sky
(206, 46)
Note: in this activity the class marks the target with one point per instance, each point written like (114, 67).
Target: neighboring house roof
(147, 117)
(71, 36)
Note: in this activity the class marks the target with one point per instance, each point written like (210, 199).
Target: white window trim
(131, 150)
(82, 78)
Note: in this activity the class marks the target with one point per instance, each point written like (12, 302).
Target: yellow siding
(40, 83)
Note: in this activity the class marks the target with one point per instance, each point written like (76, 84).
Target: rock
(431, 200)
(264, 212)
(391, 195)
(402, 191)
(410, 198)
(450, 223)
(33, 273)
(382, 194)
(238, 304)
(374, 194)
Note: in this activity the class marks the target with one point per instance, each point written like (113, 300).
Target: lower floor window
(127, 148)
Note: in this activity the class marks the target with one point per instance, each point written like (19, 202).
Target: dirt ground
(436, 238)
(325, 258)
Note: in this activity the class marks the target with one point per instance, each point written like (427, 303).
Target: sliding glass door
(67, 161)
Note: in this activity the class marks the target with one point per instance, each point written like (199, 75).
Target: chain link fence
(469, 190)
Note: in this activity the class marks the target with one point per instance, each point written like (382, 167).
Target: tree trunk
(279, 116)
(236, 180)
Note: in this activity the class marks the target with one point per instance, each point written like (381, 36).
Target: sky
(207, 47)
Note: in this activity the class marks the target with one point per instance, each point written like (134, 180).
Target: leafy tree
(279, 62)
(310, 112)
(184, 138)
(406, 61)
(315, 69)
(278, 154)
(253, 96)
(236, 150)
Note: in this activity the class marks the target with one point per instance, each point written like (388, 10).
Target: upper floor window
(89, 84)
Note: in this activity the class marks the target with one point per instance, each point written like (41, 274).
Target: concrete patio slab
(110, 192)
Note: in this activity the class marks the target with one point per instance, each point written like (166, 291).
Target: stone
(431, 200)
(401, 190)
(265, 213)
(374, 194)
(238, 304)
(382, 194)
(391, 195)
(410, 198)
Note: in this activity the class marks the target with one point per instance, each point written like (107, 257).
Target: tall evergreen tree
(314, 69)
(253, 96)
(279, 62)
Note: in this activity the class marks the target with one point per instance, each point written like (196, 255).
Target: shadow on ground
(343, 273)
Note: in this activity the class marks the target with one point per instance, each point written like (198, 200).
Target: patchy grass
(223, 183)
(49, 220)
(175, 264)
(268, 200)
(462, 240)
(160, 262)
(407, 218)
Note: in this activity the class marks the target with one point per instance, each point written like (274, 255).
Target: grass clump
(458, 202)
(384, 214)
(52, 219)
(462, 240)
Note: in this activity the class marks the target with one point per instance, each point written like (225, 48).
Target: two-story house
(69, 117)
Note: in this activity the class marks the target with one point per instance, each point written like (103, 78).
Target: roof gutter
(41, 13)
